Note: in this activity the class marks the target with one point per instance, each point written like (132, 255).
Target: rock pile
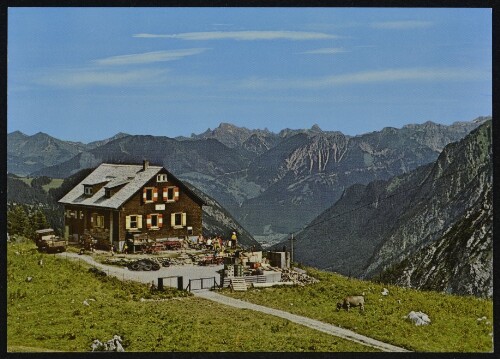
(418, 318)
(289, 275)
(112, 345)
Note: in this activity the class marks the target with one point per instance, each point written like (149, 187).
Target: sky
(85, 74)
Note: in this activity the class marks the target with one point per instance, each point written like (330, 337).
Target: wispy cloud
(149, 57)
(91, 77)
(243, 35)
(367, 77)
(326, 51)
(401, 25)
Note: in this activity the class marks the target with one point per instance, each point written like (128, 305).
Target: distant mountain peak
(41, 134)
(316, 128)
(228, 125)
(17, 134)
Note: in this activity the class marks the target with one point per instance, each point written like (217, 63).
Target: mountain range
(272, 183)
(430, 228)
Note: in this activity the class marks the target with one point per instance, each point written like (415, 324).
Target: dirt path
(194, 272)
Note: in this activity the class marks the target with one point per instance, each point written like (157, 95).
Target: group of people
(217, 243)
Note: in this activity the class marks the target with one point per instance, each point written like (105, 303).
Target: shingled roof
(132, 177)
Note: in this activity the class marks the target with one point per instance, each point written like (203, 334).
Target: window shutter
(165, 193)
(155, 194)
(160, 220)
(127, 222)
(148, 221)
(172, 219)
(139, 221)
(144, 194)
(176, 193)
(184, 219)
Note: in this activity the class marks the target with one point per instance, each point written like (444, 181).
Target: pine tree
(17, 220)
(39, 221)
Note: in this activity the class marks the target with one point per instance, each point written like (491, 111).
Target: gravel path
(308, 322)
(195, 272)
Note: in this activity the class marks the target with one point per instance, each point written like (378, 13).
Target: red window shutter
(155, 194)
(148, 221)
(176, 193)
(165, 193)
(160, 220)
(144, 194)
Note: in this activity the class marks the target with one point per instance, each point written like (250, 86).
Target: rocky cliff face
(459, 262)
(409, 227)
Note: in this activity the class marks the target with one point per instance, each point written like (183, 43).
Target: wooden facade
(161, 208)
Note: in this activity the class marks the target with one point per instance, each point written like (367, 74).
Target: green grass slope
(454, 319)
(47, 314)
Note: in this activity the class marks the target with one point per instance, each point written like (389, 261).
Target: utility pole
(291, 255)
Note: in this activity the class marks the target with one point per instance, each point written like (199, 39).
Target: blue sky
(84, 74)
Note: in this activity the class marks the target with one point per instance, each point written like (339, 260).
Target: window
(81, 215)
(162, 177)
(100, 222)
(154, 221)
(133, 222)
(107, 192)
(88, 190)
(171, 194)
(150, 194)
(178, 220)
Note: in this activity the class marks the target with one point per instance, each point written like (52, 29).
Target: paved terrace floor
(196, 272)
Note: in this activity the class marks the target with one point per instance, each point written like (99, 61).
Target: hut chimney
(145, 165)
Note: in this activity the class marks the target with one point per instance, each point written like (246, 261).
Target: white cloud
(149, 57)
(90, 77)
(243, 35)
(326, 51)
(367, 77)
(401, 25)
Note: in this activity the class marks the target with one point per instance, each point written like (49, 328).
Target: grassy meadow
(48, 314)
(454, 323)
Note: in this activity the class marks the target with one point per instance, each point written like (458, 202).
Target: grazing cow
(352, 301)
